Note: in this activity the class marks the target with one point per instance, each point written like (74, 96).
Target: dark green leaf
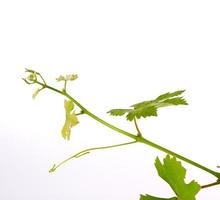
(149, 197)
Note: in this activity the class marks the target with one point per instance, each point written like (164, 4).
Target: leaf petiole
(137, 128)
(80, 113)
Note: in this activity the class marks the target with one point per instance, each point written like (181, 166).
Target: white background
(124, 52)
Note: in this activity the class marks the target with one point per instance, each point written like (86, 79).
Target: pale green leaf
(71, 77)
(60, 78)
(71, 119)
(174, 173)
(68, 77)
(68, 105)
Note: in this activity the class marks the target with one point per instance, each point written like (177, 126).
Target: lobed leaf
(174, 173)
(149, 108)
(142, 112)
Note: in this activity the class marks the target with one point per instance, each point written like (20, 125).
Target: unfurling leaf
(149, 108)
(174, 173)
(71, 119)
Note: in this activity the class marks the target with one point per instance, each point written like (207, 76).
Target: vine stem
(137, 138)
(86, 151)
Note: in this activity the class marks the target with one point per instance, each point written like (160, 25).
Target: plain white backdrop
(124, 52)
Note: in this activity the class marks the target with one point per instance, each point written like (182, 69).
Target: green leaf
(169, 95)
(149, 197)
(118, 112)
(142, 112)
(71, 119)
(176, 101)
(144, 104)
(174, 174)
(149, 108)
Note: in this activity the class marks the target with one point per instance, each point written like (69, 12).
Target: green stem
(65, 82)
(86, 151)
(89, 113)
(145, 141)
(137, 138)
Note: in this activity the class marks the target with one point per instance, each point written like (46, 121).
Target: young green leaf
(149, 108)
(71, 119)
(149, 197)
(174, 173)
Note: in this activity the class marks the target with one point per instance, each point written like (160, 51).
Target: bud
(32, 77)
